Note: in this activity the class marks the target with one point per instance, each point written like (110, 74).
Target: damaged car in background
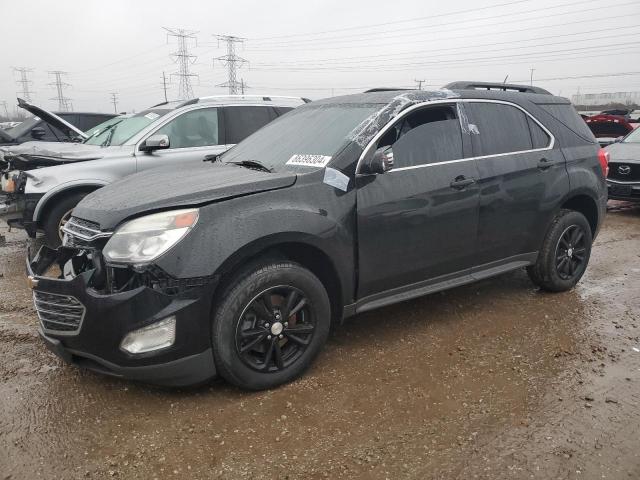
(238, 267)
(46, 126)
(42, 186)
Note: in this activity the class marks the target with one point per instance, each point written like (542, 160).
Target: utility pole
(419, 83)
(184, 60)
(232, 61)
(164, 86)
(24, 82)
(6, 111)
(532, 69)
(114, 100)
(64, 103)
(242, 86)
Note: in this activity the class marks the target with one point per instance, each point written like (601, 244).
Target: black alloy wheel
(571, 252)
(274, 329)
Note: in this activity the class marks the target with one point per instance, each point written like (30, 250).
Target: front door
(418, 221)
(192, 136)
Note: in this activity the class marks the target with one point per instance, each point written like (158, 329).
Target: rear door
(193, 135)
(417, 222)
(521, 180)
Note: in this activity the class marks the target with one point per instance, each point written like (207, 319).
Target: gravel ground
(492, 380)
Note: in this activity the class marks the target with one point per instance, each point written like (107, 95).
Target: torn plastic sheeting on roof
(368, 128)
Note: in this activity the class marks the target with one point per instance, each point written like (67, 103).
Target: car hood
(50, 118)
(44, 154)
(624, 152)
(5, 137)
(165, 188)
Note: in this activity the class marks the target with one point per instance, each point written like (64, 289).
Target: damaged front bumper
(85, 327)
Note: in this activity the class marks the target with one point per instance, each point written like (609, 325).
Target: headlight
(144, 239)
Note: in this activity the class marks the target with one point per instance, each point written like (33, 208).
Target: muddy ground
(493, 380)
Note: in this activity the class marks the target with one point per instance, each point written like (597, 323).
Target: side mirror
(380, 162)
(155, 142)
(38, 132)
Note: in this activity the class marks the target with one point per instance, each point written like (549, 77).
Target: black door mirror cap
(38, 132)
(380, 162)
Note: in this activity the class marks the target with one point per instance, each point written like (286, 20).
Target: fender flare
(63, 188)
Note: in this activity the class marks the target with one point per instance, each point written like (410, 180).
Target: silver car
(40, 187)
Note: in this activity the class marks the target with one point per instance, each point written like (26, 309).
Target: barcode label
(309, 160)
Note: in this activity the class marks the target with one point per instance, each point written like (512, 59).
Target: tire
(57, 216)
(257, 348)
(565, 253)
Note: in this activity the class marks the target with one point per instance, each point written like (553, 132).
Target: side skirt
(444, 282)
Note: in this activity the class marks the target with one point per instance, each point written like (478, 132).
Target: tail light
(603, 157)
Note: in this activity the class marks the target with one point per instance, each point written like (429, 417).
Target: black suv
(237, 267)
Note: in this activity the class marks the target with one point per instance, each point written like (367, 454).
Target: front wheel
(565, 253)
(57, 216)
(269, 325)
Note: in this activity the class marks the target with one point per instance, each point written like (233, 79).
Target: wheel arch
(587, 206)
(47, 200)
(302, 249)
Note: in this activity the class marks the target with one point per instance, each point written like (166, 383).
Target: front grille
(83, 229)
(618, 171)
(60, 314)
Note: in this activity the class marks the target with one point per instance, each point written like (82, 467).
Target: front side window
(502, 128)
(196, 128)
(427, 136)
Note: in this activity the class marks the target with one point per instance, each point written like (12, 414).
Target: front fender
(233, 230)
(62, 188)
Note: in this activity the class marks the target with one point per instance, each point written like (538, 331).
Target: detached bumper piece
(85, 326)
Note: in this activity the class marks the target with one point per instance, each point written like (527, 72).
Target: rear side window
(502, 128)
(195, 128)
(568, 116)
(430, 135)
(240, 122)
(539, 137)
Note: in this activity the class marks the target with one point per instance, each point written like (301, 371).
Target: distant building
(597, 99)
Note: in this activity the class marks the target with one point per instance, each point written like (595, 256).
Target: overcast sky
(316, 48)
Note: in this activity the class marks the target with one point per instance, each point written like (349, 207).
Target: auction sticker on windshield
(152, 115)
(309, 160)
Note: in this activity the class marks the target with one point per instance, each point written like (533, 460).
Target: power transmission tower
(114, 100)
(24, 82)
(184, 60)
(419, 83)
(232, 61)
(64, 103)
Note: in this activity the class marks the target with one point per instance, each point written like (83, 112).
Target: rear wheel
(271, 322)
(58, 215)
(565, 253)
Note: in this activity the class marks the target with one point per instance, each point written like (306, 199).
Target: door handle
(545, 164)
(461, 182)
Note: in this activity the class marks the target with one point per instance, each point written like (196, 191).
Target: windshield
(633, 137)
(119, 132)
(311, 130)
(98, 128)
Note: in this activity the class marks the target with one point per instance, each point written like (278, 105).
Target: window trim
(455, 101)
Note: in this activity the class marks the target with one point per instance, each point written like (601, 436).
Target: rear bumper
(107, 319)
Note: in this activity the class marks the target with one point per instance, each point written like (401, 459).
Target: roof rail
(505, 87)
(386, 89)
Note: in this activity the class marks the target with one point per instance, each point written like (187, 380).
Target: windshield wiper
(252, 164)
(100, 132)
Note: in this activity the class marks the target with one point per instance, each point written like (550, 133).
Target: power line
(184, 60)
(64, 103)
(114, 100)
(232, 61)
(24, 82)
